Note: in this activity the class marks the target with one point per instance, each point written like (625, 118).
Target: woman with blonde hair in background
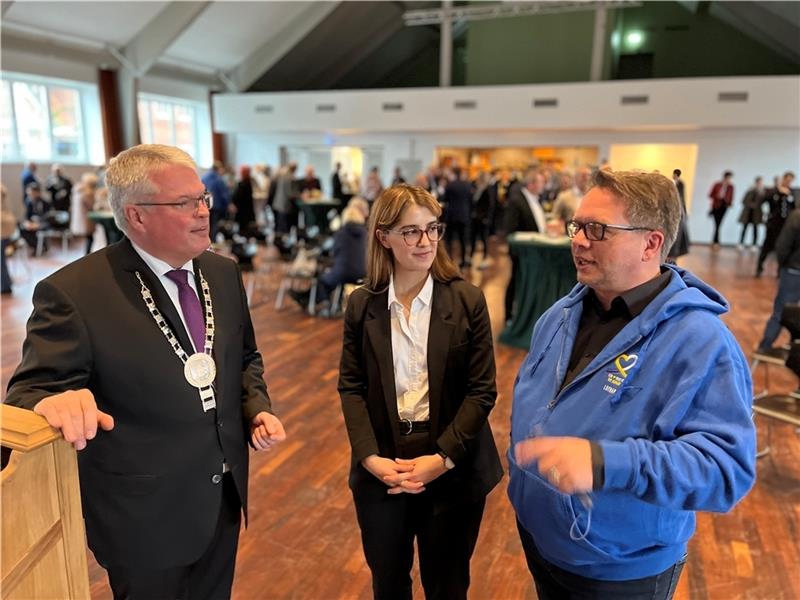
(83, 200)
(417, 384)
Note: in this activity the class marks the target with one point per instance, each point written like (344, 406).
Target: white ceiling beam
(43, 45)
(266, 56)
(6, 4)
(510, 9)
(150, 43)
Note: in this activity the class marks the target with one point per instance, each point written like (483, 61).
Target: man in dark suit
(336, 183)
(457, 213)
(144, 355)
(523, 213)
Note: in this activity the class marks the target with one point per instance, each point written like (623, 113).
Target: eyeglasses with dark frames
(596, 232)
(413, 235)
(188, 205)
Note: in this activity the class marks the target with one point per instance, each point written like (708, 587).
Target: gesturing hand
(393, 473)
(75, 413)
(266, 430)
(565, 461)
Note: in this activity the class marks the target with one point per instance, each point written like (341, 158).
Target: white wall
(672, 104)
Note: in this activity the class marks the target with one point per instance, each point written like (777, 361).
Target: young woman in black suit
(417, 384)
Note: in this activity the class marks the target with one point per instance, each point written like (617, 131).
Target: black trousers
(755, 232)
(210, 578)
(478, 231)
(718, 214)
(445, 539)
(553, 583)
(457, 230)
(511, 290)
(774, 227)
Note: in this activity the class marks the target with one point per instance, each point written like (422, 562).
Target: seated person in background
(360, 205)
(787, 250)
(36, 207)
(791, 320)
(349, 258)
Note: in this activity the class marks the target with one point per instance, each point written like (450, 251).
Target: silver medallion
(200, 370)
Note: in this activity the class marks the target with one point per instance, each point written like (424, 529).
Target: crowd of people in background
(478, 204)
(760, 206)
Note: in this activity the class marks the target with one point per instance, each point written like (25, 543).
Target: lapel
(529, 211)
(441, 329)
(130, 263)
(378, 326)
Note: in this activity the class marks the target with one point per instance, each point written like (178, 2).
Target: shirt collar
(635, 300)
(530, 195)
(425, 294)
(158, 266)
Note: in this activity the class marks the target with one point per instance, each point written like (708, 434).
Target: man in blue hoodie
(632, 409)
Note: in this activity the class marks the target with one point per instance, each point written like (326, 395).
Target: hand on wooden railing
(75, 413)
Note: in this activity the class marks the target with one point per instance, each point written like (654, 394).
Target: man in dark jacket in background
(215, 183)
(457, 210)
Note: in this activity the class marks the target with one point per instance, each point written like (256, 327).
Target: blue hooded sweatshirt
(669, 401)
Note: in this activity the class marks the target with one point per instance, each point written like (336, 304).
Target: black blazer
(462, 392)
(518, 215)
(146, 486)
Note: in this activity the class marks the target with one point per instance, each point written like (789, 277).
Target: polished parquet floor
(303, 541)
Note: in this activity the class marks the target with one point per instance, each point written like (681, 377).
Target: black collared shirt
(597, 328)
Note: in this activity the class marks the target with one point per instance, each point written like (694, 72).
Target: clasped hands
(405, 476)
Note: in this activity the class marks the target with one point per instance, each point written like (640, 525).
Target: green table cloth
(106, 220)
(315, 212)
(546, 273)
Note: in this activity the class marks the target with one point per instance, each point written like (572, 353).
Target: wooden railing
(42, 534)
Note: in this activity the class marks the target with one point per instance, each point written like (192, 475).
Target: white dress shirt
(410, 352)
(160, 269)
(536, 210)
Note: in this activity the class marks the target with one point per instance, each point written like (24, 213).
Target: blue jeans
(788, 293)
(553, 583)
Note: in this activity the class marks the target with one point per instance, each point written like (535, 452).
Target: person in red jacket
(721, 196)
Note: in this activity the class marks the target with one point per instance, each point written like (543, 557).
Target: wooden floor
(303, 541)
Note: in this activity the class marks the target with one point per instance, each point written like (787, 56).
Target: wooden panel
(24, 430)
(73, 535)
(31, 530)
(303, 540)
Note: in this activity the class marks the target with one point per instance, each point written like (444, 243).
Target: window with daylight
(176, 122)
(46, 120)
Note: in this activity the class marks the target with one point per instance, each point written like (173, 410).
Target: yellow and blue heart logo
(625, 362)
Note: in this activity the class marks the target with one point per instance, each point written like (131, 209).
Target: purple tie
(190, 306)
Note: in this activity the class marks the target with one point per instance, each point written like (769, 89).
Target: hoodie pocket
(548, 515)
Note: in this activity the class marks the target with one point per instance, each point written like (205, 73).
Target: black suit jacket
(462, 390)
(458, 202)
(518, 215)
(146, 486)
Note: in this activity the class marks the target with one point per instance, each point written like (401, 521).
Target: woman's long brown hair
(386, 213)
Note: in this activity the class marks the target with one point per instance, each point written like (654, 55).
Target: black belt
(407, 426)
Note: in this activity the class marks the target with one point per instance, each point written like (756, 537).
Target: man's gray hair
(128, 175)
(651, 200)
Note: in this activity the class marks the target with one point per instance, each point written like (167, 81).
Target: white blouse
(410, 352)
